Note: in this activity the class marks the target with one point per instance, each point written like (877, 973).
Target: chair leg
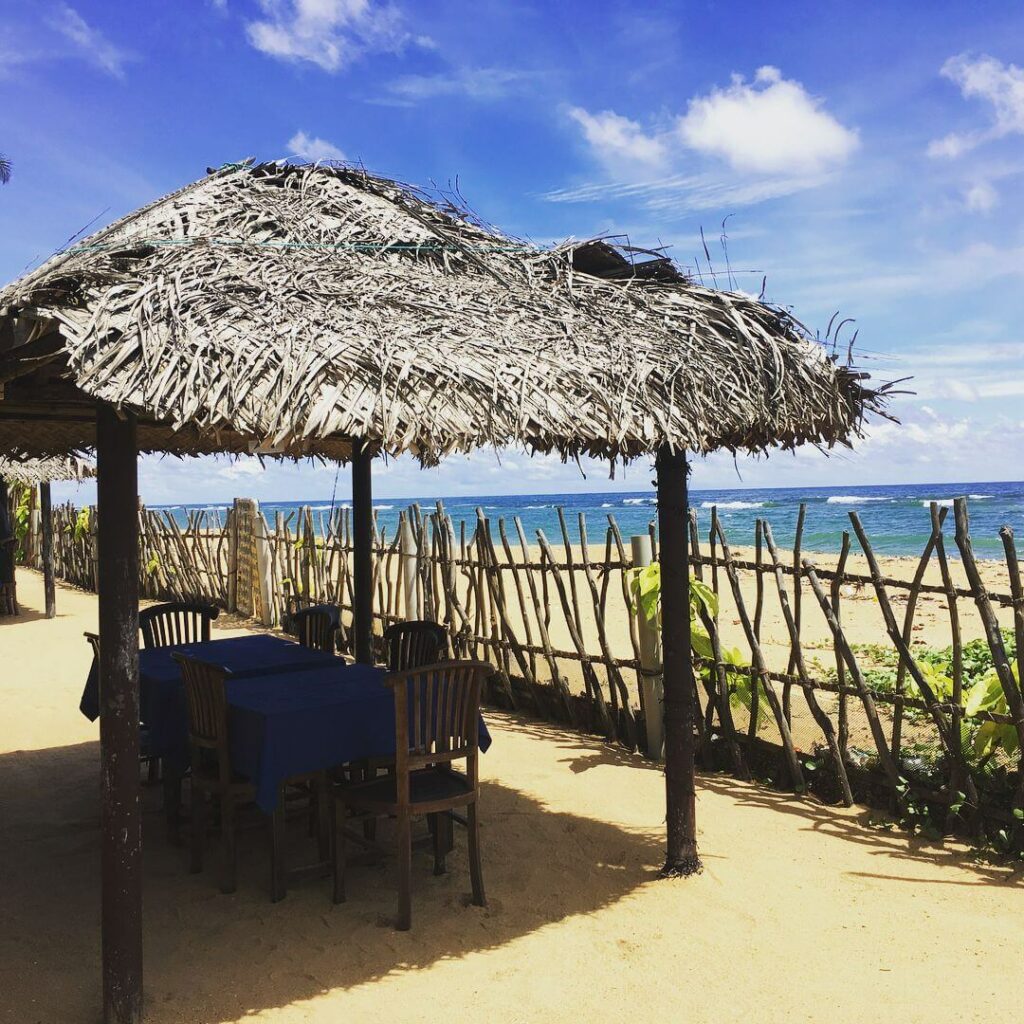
(277, 861)
(172, 806)
(441, 830)
(198, 830)
(339, 852)
(404, 921)
(322, 808)
(476, 873)
(369, 823)
(229, 878)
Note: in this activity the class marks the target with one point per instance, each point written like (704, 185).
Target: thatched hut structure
(320, 310)
(33, 473)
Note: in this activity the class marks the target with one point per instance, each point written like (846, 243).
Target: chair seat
(426, 786)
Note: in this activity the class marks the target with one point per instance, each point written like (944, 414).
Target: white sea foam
(852, 499)
(538, 506)
(948, 502)
(980, 497)
(732, 504)
(638, 501)
(607, 504)
(383, 508)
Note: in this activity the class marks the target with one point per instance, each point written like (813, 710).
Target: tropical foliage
(646, 587)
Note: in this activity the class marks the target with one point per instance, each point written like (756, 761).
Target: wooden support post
(121, 837)
(362, 553)
(46, 547)
(680, 691)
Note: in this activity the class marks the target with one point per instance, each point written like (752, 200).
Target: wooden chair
(145, 757)
(211, 763)
(315, 627)
(407, 645)
(437, 713)
(414, 644)
(177, 622)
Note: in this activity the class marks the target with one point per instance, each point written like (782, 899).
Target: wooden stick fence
(559, 625)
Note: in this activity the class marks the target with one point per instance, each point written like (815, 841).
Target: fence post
(94, 548)
(263, 586)
(651, 679)
(33, 545)
(409, 556)
(232, 528)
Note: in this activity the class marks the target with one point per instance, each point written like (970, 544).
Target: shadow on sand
(212, 957)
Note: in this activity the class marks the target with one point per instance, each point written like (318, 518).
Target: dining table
(292, 711)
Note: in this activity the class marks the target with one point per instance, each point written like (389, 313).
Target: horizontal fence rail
(854, 677)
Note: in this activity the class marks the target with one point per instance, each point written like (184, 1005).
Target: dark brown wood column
(680, 691)
(362, 553)
(46, 552)
(121, 839)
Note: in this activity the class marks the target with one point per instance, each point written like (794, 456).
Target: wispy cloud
(615, 139)
(1000, 86)
(682, 193)
(331, 34)
(488, 83)
(89, 42)
(981, 197)
(312, 147)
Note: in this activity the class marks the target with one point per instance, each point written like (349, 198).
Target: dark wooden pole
(362, 553)
(46, 530)
(680, 691)
(121, 850)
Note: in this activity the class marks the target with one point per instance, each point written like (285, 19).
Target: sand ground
(803, 913)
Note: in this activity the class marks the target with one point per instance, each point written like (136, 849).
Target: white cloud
(474, 83)
(91, 44)
(313, 148)
(1000, 85)
(775, 138)
(329, 33)
(616, 139)
(769, 126)
(981, 197)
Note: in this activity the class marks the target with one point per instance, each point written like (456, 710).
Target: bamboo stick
(824, 723)
(795, 771)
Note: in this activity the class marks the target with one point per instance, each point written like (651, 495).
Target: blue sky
(869, 157)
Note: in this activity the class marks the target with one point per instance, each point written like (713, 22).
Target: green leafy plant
(22, 517)
(646, 588)
(81, 528)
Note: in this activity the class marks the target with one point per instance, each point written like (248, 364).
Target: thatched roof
(30, 472)
(299, 307)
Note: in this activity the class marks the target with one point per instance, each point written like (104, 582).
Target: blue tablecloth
(292, 710)
(310, 721)
(162, 696)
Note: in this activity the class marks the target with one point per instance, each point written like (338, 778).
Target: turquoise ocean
(896, 517)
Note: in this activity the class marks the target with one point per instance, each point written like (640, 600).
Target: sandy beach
(794, 895)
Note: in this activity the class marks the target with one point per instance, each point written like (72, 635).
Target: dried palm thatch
(28, 471)
(296, 308)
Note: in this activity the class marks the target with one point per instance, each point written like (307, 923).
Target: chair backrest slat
(437, 710)
(415, 643)
(315, 627)
(176, 622)
(206, 699)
